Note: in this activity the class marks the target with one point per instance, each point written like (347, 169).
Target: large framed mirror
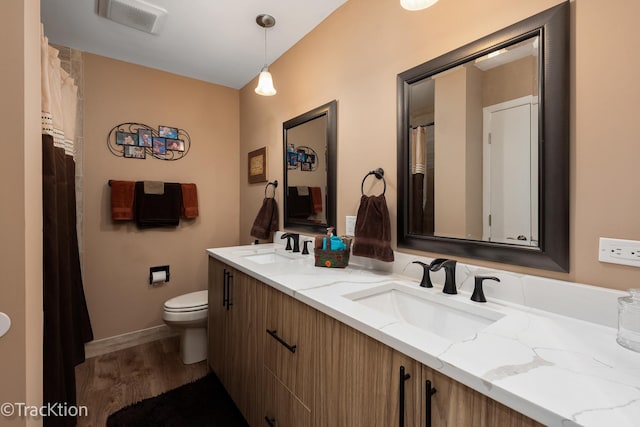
(483, 147)
(310, 141)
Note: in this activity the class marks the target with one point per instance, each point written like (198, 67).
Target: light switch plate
(350, 226)
(619, 251)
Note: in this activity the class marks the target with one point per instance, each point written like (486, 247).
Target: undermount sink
(433, 312)
(264, 255)
(267, 258)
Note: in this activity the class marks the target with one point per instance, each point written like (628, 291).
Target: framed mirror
(483, 147)
(310, 141)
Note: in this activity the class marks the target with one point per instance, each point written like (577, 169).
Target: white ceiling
(217, 41)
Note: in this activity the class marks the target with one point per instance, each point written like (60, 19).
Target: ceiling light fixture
(417, 4)
(265, 82)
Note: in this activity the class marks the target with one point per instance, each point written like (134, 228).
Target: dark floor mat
(204, 402)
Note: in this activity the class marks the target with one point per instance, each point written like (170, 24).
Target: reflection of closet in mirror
(474, 149)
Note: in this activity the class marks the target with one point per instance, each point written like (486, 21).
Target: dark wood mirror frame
(552, 26)
(330, 110)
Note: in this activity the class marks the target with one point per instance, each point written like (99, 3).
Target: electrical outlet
(618, 251)
(350, 226)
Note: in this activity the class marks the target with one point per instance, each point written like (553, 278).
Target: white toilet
(189, 312)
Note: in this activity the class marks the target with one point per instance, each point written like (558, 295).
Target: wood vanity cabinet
(358, 380)
(454, 404)
(286, 364)
(235, 341)
(289, 359)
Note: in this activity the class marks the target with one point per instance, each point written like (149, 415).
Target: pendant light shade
(265, 81)
(417, 4)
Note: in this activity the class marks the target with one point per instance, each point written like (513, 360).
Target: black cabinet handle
(430, 391)
(274, 334)
(224, 287)
(229, 277)
(270, 421)
(403, 377)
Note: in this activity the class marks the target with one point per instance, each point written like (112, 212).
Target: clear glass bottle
(629, 320)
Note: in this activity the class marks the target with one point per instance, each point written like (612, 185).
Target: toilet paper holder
(152, 270)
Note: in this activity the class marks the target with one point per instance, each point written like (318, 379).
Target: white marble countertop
(556, 369)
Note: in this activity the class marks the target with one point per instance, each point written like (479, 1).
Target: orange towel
(316, 197)
(189, 201)
(122, 196)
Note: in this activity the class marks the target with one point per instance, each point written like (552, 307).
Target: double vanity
(298, 345)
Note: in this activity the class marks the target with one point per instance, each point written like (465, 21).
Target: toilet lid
(188, 302)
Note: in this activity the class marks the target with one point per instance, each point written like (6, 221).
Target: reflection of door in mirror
(307, 172)
(458, 187)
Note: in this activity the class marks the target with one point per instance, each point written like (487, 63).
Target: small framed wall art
(258, 166)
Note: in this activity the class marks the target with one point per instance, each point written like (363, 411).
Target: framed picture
(167, 132)
(292, 160)
(159, 146)
(126, 138)
(258, 165)
(135, 152)
(175, 144)
(145, 139)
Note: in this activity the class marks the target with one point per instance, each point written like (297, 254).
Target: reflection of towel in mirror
(298, 206)
(302, 191)
(267, 219)
(316, 198)
(373, 229)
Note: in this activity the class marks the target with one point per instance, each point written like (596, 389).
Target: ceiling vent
(136, 14)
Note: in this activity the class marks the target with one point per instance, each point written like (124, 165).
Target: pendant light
(265, 82)
(417, 4)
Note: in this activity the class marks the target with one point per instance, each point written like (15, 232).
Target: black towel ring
(275, 185)
(378, 173)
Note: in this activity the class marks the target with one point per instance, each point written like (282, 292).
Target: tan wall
(118, 256)
(355, 55)
(21, 195)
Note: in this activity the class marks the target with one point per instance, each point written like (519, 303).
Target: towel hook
(378, 173)
(275, 185)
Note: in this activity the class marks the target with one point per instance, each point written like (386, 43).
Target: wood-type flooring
(111, 381)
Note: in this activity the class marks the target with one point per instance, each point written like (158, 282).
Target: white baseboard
(119, 342)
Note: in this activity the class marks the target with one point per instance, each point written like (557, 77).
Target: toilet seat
(194, 301)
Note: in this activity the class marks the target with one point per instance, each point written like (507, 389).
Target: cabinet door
(217, 318)
(244, 341)
(290, 323)
(457, 405)
(358, 380)
(282, 408)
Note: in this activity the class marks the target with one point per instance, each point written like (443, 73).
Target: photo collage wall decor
(137, 141)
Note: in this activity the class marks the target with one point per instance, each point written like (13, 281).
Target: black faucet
(296, 241)
(449, 266)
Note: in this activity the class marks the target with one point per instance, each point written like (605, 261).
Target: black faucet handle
(478, 293)
(305, 249)
(426, 276)
(288, 237)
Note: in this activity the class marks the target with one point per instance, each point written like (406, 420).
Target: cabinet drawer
(282, 408)
(289, 343)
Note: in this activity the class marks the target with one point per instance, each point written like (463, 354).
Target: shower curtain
(421, 219)
(66, 319)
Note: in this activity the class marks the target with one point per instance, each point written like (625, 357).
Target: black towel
(267, 219)
(158, 210)
(299, 205)
(373, 229)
